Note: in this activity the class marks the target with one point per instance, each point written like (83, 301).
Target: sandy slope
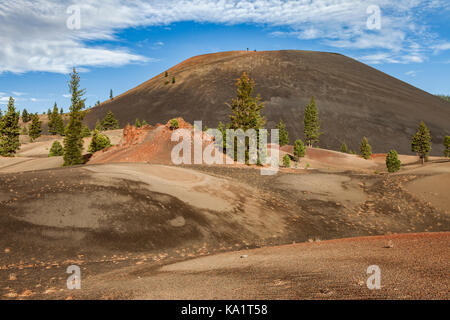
(413, 266)
(34, 156)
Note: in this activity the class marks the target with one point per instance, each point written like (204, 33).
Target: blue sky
(119, 45)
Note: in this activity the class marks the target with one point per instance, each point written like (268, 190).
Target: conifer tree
(246, 111)
(283, 134)
(9, 131)
(311, 129)
(56, 150)
(61, 111)
(98, 126)
(25, 116)
(85, 131)
(299, 149)
(99, 141)
(35, 129)
(447, 146)
(421, 142)
(286, 161)
(137, 123)
(111, 94)
(73, 140)
(55, 123)
(366, 149)
(344, 148)
(110, 122)
(393, 164)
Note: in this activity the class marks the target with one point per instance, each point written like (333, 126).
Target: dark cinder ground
(121, 233)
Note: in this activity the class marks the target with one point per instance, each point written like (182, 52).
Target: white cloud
(34, 35)
(411, 73)
(66, 95)
(16, 93)
(441, 47)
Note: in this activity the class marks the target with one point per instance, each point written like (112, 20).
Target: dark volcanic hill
(354, 100)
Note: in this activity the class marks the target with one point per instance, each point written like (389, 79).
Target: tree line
(246, 114)
(73, 133)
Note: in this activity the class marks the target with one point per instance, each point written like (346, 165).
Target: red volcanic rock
(146, 144)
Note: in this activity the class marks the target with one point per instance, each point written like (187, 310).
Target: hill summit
(354, 100)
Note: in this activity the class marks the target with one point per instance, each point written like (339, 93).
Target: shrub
(137, 123)
(344, 148)
(393, 164)
(56, 150)
(299, 149)
(174, 124)
(99, 141)
(286, 161)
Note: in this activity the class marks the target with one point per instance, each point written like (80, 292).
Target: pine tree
(311, 130)
(73, 141)
(61, 111)
(173, 79)
(60, 125)
(98, 126)
(52, 119)
(421, 142)
(111, 94)
(366, 149)
(286, 161)
(344, 148)
(447, 146)
(85, 132)
(246, 111)
(55, 123)
(283, 134)
(393, 164)
(49, 112)
(56, 150)
(35, 129)
(299, 149)
(99, 141)
(9, 131)
(137, 124)
(25, 116)
(110, 122)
